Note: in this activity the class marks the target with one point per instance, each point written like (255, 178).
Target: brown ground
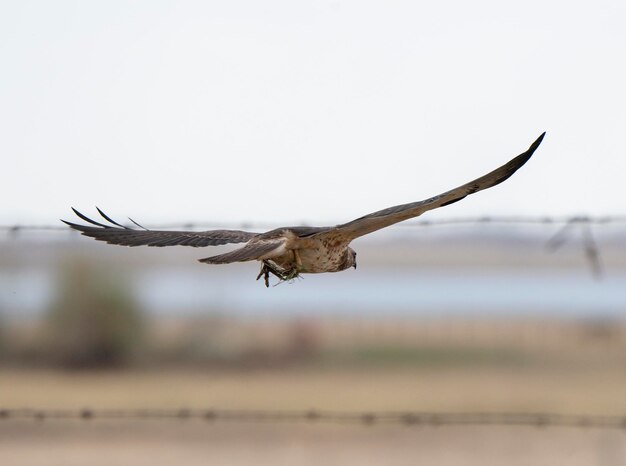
(595, 390)
(100, 442)
(197, 443)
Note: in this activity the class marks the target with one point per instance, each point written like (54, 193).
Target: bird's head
(349, 259)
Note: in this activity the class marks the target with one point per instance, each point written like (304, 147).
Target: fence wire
(408, 418)
(494, 219)
(569, 226)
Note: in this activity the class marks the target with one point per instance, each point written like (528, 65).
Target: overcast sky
(316, 111)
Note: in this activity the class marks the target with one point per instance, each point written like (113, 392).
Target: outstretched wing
(257, 249)
(383, 218)
(115, 233)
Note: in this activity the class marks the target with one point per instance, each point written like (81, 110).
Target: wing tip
(524, 157)
(76, 226)
(533, 147)
(69, 224)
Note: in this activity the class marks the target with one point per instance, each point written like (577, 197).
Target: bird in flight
(288, 252)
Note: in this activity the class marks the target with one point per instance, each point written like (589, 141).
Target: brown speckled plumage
(290, 251)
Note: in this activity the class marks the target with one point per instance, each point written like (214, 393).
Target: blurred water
(374, 291)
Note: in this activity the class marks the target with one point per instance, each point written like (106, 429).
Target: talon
(265, 273)
(282, 274)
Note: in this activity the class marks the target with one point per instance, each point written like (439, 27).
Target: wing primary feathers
(88, 220)
(75, 226)
(109, 219)
(140, 226)
(116, 233)
(534, 145)
(386, 217)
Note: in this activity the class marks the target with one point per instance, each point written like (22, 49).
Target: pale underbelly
(311, 261)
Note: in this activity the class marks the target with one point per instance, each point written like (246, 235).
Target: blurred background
(480, 317)
(199, 115)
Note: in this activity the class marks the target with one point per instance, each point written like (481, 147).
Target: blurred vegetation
(94, 321)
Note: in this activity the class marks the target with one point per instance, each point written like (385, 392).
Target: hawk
(288, 252)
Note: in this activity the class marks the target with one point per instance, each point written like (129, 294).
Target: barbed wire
(494, 219)
(408, 418)
(569, 226)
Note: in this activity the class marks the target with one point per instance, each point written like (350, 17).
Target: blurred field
(189, 443)
(460, 366)
(578, 389)
(91, 343)
(384, 364)
(527, 389)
